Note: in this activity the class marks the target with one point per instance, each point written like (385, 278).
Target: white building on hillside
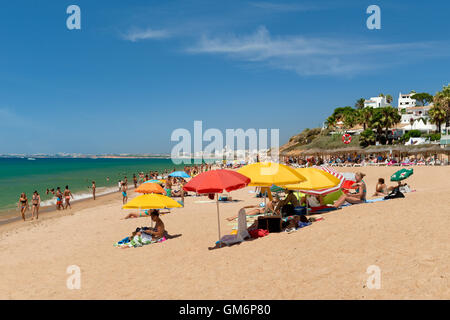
(415, 113)
(405, 101)
(376, 102)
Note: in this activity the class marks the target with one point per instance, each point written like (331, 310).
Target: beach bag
(394, 194)
(287, 210)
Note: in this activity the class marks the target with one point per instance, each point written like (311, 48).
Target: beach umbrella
(216, 181)
(150, 188)
(266, 174)
(316, 179)
(276, 189)
(151, 201)
(349, 176)
(155, 181)
(318, 182)
(179, 174)
(402, 174)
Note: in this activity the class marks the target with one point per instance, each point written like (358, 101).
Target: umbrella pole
(265, 206)
(306, 203)
(218, 218)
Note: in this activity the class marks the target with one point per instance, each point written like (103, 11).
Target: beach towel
(375, 200)
(258, 233)
(137, 241)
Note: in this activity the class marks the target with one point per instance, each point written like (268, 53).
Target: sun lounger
(242, 232)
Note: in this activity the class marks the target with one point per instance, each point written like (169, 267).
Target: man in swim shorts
(59, 197)
(124, 193)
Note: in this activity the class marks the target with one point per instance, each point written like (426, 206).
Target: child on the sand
(380, 188)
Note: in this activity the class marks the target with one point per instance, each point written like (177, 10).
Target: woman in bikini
(380, 188)
(257, 209)
(36, 202)
(145, 213)
(67, 195)
(360, 193)
(23, 204)
(93, 189)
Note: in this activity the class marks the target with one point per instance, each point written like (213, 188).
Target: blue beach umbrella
(153, 181)
(179, 174)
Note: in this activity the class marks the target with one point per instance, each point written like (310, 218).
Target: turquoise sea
(23, 175)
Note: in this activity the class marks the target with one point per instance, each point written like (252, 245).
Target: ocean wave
(82, 195)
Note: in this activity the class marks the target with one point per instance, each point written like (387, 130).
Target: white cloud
(311, 56)
(144, 34)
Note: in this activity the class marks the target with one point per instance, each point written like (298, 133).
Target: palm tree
(437, 116)
(366, 138)
(331, 122)
(364, 116)
(350, 120)
(360, 103)
(389, 118)
(389, 98)
(442, 99)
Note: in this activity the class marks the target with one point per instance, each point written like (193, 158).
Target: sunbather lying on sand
(399, 184)
(258, 210)
(145, 213)
(358, 197)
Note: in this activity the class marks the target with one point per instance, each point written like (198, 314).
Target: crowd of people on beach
(172, 186)
(359, 160)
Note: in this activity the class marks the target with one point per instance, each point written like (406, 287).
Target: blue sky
(137, 70)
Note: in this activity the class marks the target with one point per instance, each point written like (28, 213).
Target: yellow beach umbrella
(265, 174)
(315, 179)
(152, 201)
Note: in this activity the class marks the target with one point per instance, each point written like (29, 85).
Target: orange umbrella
(150, 188)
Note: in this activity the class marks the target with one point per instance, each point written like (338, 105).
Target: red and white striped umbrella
(327, 190)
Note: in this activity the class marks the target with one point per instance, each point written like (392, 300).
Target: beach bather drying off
(143, 236)
(158, 232)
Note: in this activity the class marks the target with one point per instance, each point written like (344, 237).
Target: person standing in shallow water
(67, 195)
(93, 189)
(135, 181)
(23, 204)
(124, 193)
(59, 198)
(36, 202)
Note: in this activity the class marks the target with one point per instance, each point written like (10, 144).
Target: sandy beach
(406, 238)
